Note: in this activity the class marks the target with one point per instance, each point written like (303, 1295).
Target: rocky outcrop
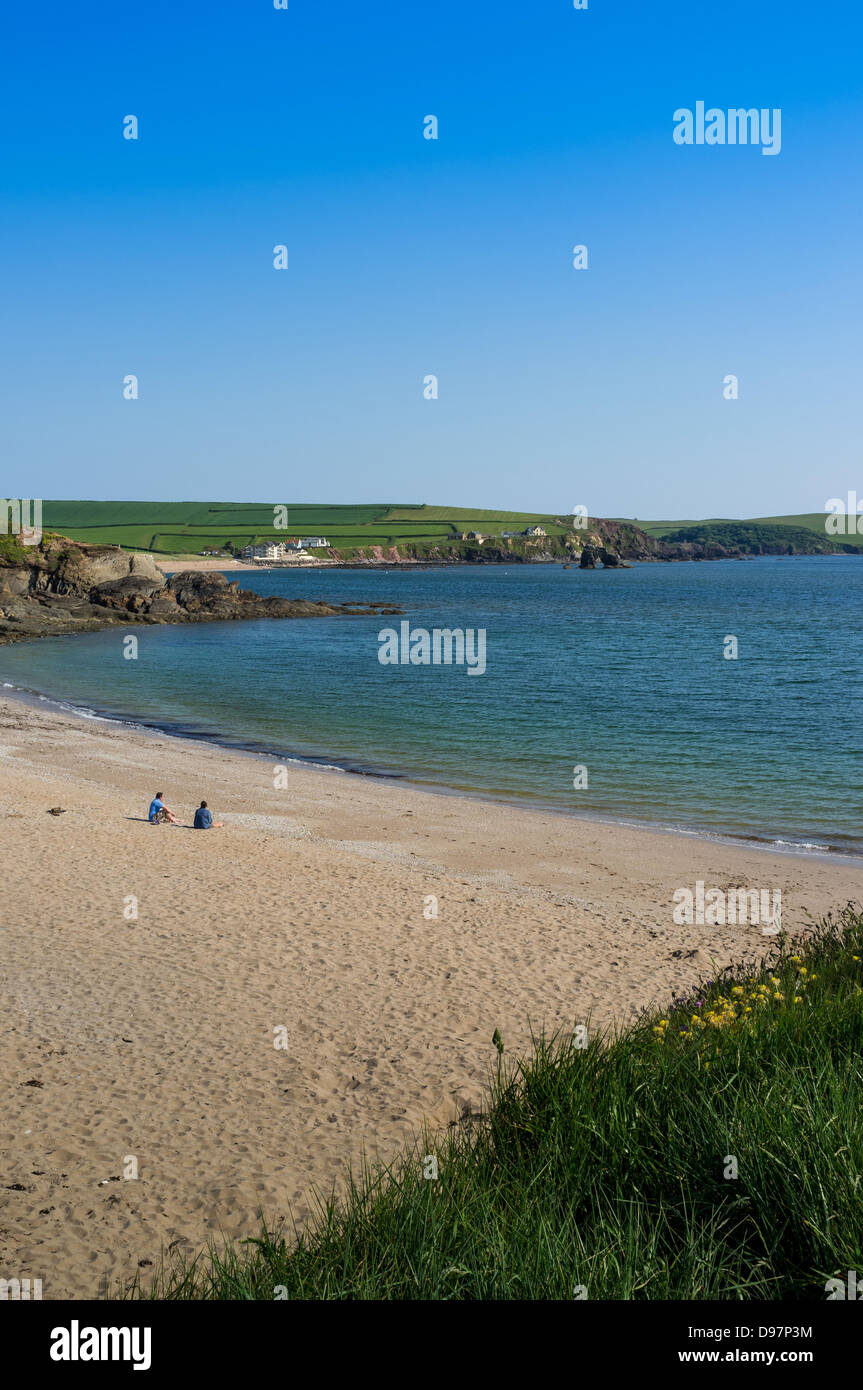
(60, 586)
(611, 560)
(621, 542)
(611, 544)
(69, 570)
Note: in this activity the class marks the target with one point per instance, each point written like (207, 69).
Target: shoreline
(173, 564)
(147, 969)
(330, 764)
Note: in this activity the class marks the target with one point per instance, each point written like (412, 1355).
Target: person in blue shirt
(204, 818)
(158, 813)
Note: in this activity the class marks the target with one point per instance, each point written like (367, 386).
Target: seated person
(204, 818)
(159, 814)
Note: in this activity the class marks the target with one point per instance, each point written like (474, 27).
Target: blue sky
(409, 257)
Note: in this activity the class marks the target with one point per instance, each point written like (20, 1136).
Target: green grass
(200, 514)
(662, 528)
(605, 1167)
(131, 537)
(463, 515)
(12, 550)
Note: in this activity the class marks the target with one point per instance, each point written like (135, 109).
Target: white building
(270, 550)
(309, 542)
(535, 531)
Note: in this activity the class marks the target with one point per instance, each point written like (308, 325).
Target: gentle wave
(145, 727)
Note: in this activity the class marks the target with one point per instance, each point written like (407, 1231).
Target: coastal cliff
(602, 543)
(60, 586)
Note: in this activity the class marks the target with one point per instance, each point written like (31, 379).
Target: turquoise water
(620, 671)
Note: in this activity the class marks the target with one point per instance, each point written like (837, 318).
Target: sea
(615, 694)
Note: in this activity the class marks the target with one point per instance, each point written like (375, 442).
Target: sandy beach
(148, 971)
(173, 564)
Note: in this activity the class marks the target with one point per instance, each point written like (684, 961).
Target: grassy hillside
(812, 521)
(608, 1168)
(755, 538)
(189, 527)
(186, 528)
(766, 528)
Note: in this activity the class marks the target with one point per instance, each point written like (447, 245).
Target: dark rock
(129, 593)
(588, 558)
(163, 607)
(60, 586)
(611, 560)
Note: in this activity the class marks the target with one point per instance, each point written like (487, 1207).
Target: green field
(812, 521)
(186, 528)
